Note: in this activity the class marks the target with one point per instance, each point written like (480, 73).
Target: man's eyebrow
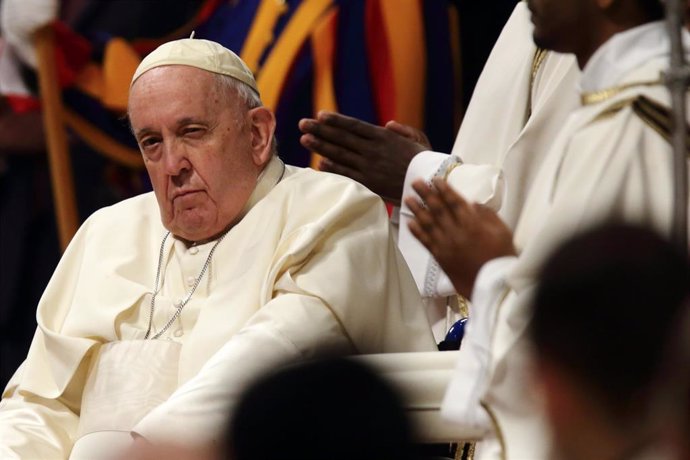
(191, 120)
(143, 131)
(179, 123)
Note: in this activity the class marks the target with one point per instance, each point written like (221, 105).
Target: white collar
(626, 51)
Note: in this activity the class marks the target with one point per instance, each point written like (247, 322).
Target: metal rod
(677, 78)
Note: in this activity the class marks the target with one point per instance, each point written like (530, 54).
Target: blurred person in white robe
(521, 100)
(611, 160)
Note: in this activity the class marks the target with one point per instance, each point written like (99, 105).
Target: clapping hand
(461, 236)
(374, 156)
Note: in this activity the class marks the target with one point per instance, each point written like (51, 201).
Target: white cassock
(612, 161)
(519, 104)
(311, 268)
(521, 100)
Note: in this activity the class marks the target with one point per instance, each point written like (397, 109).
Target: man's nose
(175, 157)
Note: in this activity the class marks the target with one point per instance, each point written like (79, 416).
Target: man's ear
(263, 125)
(562, 394)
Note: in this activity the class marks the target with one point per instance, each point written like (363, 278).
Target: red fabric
(23, 104)
(206, 11)
(380, 66)
(72, 53)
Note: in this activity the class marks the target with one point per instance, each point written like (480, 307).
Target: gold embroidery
(605, 94)
(539, 57)
(658, 117)
(450, 169)
(465, 451)
(463, 306)
(470, 450)
(459, 451)
(614, 109)
(537, 62)
(497, 430)
(653, 114)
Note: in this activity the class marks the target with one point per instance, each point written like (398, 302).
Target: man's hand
(412, 134)
(461, 236)
(374, 156)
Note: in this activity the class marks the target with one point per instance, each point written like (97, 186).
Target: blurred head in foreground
(335, 409)
(673, 391)
(603, 312)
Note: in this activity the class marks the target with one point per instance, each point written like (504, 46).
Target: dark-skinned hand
(461, 236)
(374, 156)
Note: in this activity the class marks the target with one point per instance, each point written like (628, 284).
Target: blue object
(454, 336)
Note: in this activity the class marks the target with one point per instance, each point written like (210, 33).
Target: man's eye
(149, 142)
(193, 131)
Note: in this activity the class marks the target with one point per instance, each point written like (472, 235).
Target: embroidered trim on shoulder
(603, 95)
(657, 116)
(613, 109)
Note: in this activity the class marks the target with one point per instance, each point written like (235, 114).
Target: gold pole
(58, 152)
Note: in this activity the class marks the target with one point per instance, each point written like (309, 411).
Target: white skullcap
(202, 54)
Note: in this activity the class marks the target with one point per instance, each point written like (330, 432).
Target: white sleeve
(462, 401)
(275, 336)
(421, 379)
(477, 183)
(32, 426)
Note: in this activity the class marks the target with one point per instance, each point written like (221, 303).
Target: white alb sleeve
(476, 183)
(462, 401)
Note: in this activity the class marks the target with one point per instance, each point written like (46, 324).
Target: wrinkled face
(559, 24)
(199, 148)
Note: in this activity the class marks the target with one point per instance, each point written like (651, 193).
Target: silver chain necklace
(183, 302)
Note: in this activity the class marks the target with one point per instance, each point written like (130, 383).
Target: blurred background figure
(606, 304)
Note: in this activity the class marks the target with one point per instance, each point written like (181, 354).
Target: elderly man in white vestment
(612, 160)
(165, 305)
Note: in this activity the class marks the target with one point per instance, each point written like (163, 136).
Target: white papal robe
(310, 268)
(612, 161)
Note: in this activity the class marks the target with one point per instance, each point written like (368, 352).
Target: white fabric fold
(462, 402)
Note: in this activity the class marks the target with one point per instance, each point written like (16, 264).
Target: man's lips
(184, 193)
